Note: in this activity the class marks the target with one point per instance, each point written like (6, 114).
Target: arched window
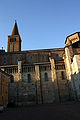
(29, 78)
(46, 76)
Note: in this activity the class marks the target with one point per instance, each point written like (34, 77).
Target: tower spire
(15, 29)
(15, 21)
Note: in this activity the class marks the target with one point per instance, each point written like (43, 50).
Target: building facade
(72, 62)
(4, 80)
(42, 76)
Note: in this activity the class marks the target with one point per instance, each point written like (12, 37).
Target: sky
(42, 24)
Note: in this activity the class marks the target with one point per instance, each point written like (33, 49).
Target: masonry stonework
(42, 76)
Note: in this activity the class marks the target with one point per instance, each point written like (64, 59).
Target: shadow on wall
(63, 92)
(76, 85)
(19, 96)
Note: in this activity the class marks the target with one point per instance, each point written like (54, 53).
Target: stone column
(54, 79)
(38, 83)
(68, 63)
(19, 70)
(37, 73)
(69, 70)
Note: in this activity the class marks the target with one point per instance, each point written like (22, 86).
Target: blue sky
(42, 23)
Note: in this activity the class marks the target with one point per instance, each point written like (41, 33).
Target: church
(42, 76)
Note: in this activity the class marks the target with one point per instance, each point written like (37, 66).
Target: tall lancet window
(29, 78)
(46, 76)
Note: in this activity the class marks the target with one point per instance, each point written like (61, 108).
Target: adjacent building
(4, 80)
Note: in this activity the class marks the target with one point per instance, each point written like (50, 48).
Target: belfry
(14, 40)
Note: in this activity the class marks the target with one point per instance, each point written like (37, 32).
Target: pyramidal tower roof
(15, 29)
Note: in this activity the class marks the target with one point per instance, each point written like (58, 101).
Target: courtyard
(66, 111)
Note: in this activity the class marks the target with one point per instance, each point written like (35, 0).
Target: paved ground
(68, 111)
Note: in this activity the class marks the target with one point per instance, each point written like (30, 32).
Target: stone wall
(76, 76)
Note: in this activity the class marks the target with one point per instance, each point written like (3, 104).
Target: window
(42, 58)
(45, 68)
(14, 39)
(76, 45)
(16, 60)
(31, 59)
(62, 75)
(29, 78)
(29, 69)
(13, 47)
(4, 61)
(11, 79)
(57, 57)
(10, 40)
(46, 76)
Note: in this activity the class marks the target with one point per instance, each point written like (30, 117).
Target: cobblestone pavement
(68, 111)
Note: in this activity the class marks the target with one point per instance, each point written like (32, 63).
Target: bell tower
(14, 40)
